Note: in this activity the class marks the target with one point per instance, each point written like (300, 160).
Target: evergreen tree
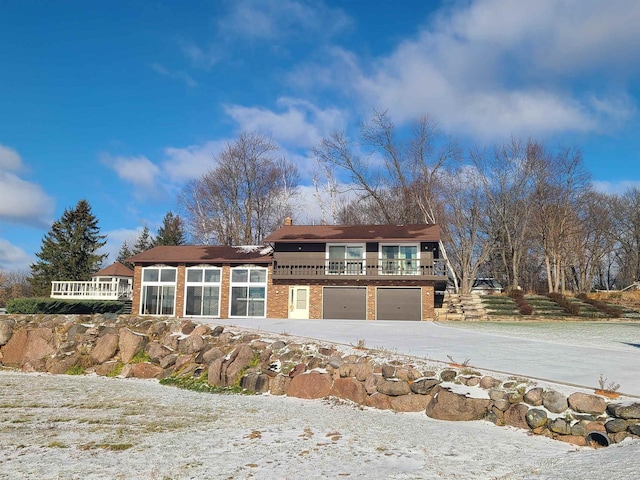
(69, 249)
(144, 241)
(124, 253)
(171, 232)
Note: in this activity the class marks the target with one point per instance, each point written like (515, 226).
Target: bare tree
(625, 210)
(244, 197)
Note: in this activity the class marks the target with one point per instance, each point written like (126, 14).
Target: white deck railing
(113, 290)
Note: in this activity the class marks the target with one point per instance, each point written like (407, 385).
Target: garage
(349, 303)
(399, 303)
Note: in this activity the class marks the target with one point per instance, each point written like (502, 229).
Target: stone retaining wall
(132, 346)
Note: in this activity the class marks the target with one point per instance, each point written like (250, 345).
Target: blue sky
(122, 103)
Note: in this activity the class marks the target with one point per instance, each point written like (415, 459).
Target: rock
(347, 370)
(410, 403)
(191, 344)
(157, 351)
(106, 368)
(388, 371)
(514, 397)
(473, 381)
(255, 382)
(536, 417)
(618, 437)
(554, 402)
(371, 383)
(559, 425)
(393, 388)
(533, 397)
(181, 361)
(168, 360)
(31, 345)
(501, 405)
(362, 371)
(142, 370)
(279, 384)
(106, 347)
(335, 361)
(130, 343)
(297, 370)
(201, 330)
(348, 388)
(187, 327)
(579, 429)
(6, 330)
(573, 439)
(496, 394)
(623, 410)
(210, 355)
(585, 403)
(407, 374)
(635, 428)
(217, 330)
(595, 427)
(424, 386)
(310, 385)
(487, 382)
(224, 371)
(616, 425)
(448, 375)
(379, 401)
(446, 405)
(61, 364)
(516, 416)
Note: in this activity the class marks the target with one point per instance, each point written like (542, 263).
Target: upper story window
(346, 259)
(158, 290)
(399, 259)
(202, 291)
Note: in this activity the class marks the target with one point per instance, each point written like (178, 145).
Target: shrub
(523, 306)
(570, 307)
(63, 307)
(611, 310)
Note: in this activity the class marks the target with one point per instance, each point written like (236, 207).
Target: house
(388, 272)
(114, 282)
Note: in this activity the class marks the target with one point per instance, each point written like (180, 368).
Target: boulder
(516, 416)
(621, 410)
(168, 360)
(585, 403)
(448, 375)
(554, 402)
(279, 384)
(335, 361)
(310, 385)
(142, 370)
(501, 405)
(393, 388)
(105, 348)
(191, 344)
(61, 364)
(362, 371)
(6, 330)
(424, 386)
(533, 397)
(217, 331)
(616, 425)
(559, 425)
(487, 382)
(224, 371)
(31, 345)
(409, 403)
(573, 440)
(446, 405)
(130, 343)
(201, 330)
(348, 388)
(388, 371)
(347, 370)
(106, 368)
(187, 327)
(371, 383)
(379, 401)
(635, 428)
(255, 382)
(211, 354)
(536, 417)
(157, 351)
(579, 429)
(181, 361)
(497, 394)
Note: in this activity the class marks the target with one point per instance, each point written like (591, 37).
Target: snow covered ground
(88, 427)
(573, 353)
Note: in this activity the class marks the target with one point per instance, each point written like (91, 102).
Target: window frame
(202, 284)
(345, 260)
(249, 285)
(162, 286)
(399, 268)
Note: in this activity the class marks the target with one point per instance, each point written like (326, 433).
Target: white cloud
(300, 124)
(13, 258)
(616, 188)
(21, 201)
(175, 75)
(277, 19)
(184, 164)
(495, 67)
(140, 171)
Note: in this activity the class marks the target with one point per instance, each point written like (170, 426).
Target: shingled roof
(196, 254)
(116, 269)
(355, 233)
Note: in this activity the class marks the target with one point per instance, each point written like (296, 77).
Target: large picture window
(248, 292)
(345, 259)
(158, 291)
(399, 259)
(202, 296)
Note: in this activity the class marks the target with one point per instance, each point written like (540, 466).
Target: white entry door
(298, 302)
